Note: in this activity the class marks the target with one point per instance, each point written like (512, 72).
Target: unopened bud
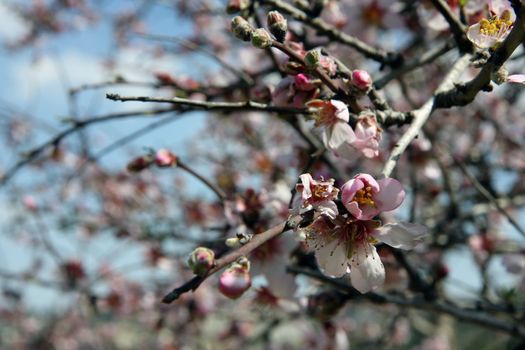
(164, 158)
(201, 260)
(500, 76)
(241, 28)
(277, 25)
(233, 242)
(235, 280)
(235, 6)
(361, 79)
(261, 39)
(139, 164)
(312, 59)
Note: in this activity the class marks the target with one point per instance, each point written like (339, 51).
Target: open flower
(491, 31)
(368, 134)
(347, 245)
(318, 195)
(364, 197)
(332, 117)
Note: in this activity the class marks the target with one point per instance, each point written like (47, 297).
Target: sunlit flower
(347, 245)
(318, 195)
(364, 197)
(491, 31)
(332, 117)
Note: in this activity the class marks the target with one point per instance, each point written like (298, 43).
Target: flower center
(364, 196)
(495, 26)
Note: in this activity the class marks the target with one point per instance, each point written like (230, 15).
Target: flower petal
(341, 112)
(366, 269)
(391, 194)
(332, 258)
(340, 133)
(403, 235)
(327, 208)
(516, 78)
(306, 179)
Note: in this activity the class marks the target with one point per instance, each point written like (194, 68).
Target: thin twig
(256, 241)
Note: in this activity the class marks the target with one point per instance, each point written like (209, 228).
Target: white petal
(366, 269)
(340, 133)
(332, 258)
(402, 235)
(328, 208)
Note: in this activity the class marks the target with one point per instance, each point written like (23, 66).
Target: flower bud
(261, 39)
(361, 80)
(236, 279)
(277, 25)
(139, 164)
(312, 59)
(164, 158)
(201, 260)
(500, 76)
(235, 6)
(241, 28)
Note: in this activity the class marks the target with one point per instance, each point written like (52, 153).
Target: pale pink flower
(295, 91)
(368, 134)
(332, 117)
(318, 195)
(364, 197)
(491, 31)
(347, 245)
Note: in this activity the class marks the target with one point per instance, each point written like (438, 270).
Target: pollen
(495, 26)
(364, 196)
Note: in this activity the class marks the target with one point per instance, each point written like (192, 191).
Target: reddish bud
(361, 79)
(164, 78)
(140, 163)
(235, 6)
(164, 158)
(277, 25)
(201, 260)
(235, 280)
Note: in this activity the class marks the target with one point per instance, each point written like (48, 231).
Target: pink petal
(366, 269)
(401, 235)
(516, 78)
(391, 194)
(370, 181)
(349, 189)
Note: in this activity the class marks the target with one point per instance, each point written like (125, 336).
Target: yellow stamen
(364, 196)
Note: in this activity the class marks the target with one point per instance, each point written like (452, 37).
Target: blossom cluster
(344, 236)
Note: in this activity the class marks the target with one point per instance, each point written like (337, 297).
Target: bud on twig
(312, 59)
(235, 6)
(236, 279)
(164, 158)
(277, 25)
(241, 28)
(261, 38)
(140, 163)
(361, 80)
(201, 260)
(500, 76)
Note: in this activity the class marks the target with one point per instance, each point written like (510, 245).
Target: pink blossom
(368, 134)
(295, 91)
(235, 280)
(361, 79)
(347, 245)
(318, 195)
(332, 117)
(489, 32)
(364, 197)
